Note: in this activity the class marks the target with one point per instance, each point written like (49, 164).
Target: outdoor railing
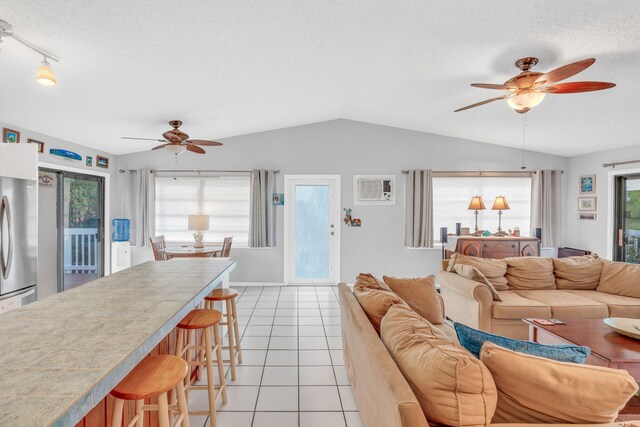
(81, 250)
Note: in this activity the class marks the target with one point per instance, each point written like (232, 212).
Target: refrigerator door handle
(5, 211)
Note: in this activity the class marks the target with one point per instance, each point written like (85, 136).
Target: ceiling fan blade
(486, 101)
(566, 71)
(144, 139)
(204, 142)
(493, 86)
(576, 87)
(195, 149)
(160, 146)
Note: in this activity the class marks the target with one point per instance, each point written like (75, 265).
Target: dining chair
(158, 245)
(226, 248)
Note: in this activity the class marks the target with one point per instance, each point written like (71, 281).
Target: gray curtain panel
(262, 224)
(419, 210)
(139, 193)
(546, 204)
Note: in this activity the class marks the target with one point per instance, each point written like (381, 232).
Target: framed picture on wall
(10, 136)
(89, 161)
(587, 184)
(40, 144)
(102, 162)
(587, 203)
(587, 215)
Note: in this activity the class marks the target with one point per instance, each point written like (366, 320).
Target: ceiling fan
(528, 89)
(178, 142)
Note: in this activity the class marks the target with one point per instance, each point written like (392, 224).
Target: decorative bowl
(624, 326)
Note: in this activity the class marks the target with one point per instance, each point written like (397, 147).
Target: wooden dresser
(497, 247)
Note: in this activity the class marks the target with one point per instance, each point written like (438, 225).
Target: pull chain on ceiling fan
(529, 88)
(524, 125)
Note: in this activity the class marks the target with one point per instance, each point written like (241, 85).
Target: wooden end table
(608, 348)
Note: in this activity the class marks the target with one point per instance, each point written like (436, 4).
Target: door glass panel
(312, 253)
(631, 220)
(81, 221)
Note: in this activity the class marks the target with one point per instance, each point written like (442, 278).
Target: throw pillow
(420, 294)
(375, 303)
(366, 280)
(493, 269)
(579, 272)
(453, 387)
(537, 390)
(473, 339)
(620, 278)
(472, 273)
(530, 273)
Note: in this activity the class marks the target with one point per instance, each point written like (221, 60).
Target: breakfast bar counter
(61, 356)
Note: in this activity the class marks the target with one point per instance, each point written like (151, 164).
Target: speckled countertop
(61, 356)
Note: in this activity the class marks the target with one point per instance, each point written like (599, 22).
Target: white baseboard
(237, 284)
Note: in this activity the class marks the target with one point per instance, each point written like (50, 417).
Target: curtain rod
(614, 164)
(203, 170)
(404, 171)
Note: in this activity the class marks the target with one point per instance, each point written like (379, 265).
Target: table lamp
(476, 205)
(198, 223)
(499, 205)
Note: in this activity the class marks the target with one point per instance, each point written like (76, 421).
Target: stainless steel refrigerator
(18, 242)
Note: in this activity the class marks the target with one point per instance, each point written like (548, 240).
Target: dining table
(188, 251)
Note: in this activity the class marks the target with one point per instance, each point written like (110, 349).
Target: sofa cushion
(566, 305)
(620, 278)
(514, 306)
(421, 295)
(453, 387)
(493, 269)
(473, 339)
(537, 390)
(530, 273)
(618, 305)
(579, 272)
(472, 273)
(375, 303)
(366, 280)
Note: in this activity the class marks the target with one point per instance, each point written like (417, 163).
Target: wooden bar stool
(153, 377)
(235, 350)
(207, 323)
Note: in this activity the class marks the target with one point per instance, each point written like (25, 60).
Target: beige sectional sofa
(383, 395)
(579, 287)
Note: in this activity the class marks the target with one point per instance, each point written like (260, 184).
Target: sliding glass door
(627, 218)
(79, 228)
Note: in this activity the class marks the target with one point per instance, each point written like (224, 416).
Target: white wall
(587, 234)
(346, 148)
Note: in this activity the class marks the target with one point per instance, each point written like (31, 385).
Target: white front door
(312, 229)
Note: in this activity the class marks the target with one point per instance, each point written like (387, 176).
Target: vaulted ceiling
(235, 67)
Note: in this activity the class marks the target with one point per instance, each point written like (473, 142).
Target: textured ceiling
(235, 67)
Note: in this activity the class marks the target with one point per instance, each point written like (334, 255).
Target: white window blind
(451, 197)
(224, 198)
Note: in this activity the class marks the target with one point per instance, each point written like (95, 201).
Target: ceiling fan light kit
(529, 88)
(44, 75)
(177, 142)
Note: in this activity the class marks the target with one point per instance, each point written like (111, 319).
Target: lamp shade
(500, 204)
(476, 204)
(198, 222)
(176, 149)
(45, 75)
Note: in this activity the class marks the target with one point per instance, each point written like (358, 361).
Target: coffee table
(608, 349)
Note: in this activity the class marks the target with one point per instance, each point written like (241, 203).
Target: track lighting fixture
(44, 75)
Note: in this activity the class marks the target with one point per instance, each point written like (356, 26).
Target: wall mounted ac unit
(374, 189)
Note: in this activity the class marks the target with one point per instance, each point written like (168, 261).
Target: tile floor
(293, 373)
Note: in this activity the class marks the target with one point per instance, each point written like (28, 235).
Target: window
(451, 197)
(224, 198)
